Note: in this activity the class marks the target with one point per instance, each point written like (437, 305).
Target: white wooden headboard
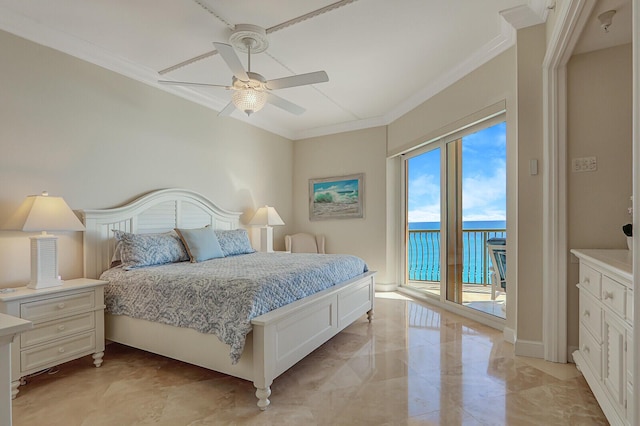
(157, 211)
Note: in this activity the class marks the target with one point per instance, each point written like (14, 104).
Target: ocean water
(424, 250)
(485, 224)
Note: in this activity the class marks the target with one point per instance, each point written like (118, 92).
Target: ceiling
(383, 58)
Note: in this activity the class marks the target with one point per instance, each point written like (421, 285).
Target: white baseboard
(571, 349)
(386, 287)
(509, 335)
(532, 349)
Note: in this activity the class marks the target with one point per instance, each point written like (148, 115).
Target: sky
(483, 179)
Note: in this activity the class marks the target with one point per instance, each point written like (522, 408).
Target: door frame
(572, 18)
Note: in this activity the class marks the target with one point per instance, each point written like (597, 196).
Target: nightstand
(68, 324)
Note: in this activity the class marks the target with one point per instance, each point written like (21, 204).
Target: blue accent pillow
(138, 250)
(234, 242)
(201, 243)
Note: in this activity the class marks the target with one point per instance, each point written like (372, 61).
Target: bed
(278, 339)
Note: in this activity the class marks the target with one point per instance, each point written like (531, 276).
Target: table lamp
(44, 213)
(266, 217)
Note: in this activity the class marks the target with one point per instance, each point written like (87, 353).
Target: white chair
(304, 243)
(498, 252)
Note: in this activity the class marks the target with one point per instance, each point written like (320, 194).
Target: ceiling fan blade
(189, 83)
(187, 62)
(227, 110)
(284, 104)
(298, 80)
(232, 60)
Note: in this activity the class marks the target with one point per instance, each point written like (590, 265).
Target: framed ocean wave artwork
(339, 197)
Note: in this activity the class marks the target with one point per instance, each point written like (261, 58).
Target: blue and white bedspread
(221, 296)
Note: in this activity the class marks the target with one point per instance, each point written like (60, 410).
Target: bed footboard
(283, 337)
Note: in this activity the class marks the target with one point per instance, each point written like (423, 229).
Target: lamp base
(44, 262)
(266, 239)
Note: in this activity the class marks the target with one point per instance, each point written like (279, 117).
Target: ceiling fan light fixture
(249, 100)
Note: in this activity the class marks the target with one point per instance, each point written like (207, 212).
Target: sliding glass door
(456, 205)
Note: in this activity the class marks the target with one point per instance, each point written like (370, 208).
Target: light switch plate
(584, 164)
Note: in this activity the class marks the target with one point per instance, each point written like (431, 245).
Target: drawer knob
(585, 348)
(586, 313)
(61, 349)
(61, 327)
(61, 305)
(586, 280)
(608, 295)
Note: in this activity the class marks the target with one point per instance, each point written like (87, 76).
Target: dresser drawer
(591, 315)
(590, 280)
(614, 295)
(56, 307)
(51, 330)
(57, 352)
(592, 351)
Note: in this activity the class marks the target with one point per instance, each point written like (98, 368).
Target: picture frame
(340, 197)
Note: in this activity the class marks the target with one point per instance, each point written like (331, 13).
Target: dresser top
(10, 325)
(69, 285)
(617, 261)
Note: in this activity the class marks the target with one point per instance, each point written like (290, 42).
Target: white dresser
(68, 324)
(605, 354)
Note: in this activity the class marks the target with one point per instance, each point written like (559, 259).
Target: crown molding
(533, 13)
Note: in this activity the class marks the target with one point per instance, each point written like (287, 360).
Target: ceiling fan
(250, 90)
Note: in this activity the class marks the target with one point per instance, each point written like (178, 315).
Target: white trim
(522, 17)
(509, 335)
(383, 288)
(571, 20)
(530, 348)
(636, 197)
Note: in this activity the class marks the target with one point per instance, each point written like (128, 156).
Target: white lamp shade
(266, 216)
(43, 213)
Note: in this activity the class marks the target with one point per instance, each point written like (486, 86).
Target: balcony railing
(423, 254)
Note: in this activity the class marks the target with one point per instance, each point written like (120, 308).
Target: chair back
(498, 252)
(304, 243)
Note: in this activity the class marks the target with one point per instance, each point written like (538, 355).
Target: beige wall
(531, 48)
(599, 125)
(361, 151)
(99, 139)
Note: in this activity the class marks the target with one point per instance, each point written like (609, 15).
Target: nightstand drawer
(56, 307)
(590, 280)
(591, 315)
(57, 352)
(592, 351)
(51, 330)
(613, 295)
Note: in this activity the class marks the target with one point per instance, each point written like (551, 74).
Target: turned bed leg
(263, 397)
(370, 315)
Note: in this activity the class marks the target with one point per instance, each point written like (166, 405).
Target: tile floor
(413, 365)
